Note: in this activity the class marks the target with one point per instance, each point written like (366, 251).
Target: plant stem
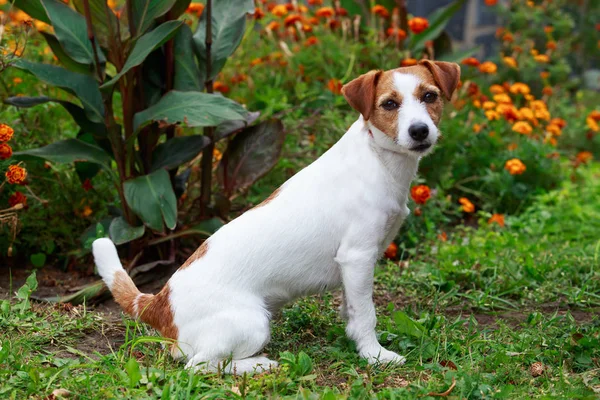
(207, 153)
(92, 38)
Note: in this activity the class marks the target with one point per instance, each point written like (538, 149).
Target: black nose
(418, 131)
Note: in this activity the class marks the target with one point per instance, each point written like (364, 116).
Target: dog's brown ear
(445, 74)
(360, 93)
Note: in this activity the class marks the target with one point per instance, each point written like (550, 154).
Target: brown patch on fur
(384, 120)
(156, 311)
(198, 254)
(360, 92)
(445, 74)
(269, 199)
(124, 291)
(434, 109)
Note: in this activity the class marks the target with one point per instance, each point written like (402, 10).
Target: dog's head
(403, 106)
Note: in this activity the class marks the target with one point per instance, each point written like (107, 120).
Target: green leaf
(177, 151)
(103, 18)
(193, 108)
(71, 32)
(146, 45)
(38, 259)
(187, 74)
(152, 198)
(133, 371)
(250, 155)
(83, 86)
(34, 8)
(229, 128)
(458, 56)
(407, 326)
(179, 8)
(437, 23)
(121, 232)
(228, 26)
(63, 57)
(68, 151)
(145, 11)
(32, 281)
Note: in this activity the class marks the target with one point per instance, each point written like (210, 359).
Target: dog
(324, 228)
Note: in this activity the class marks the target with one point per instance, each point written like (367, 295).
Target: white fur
(107, 260)
(326, 228)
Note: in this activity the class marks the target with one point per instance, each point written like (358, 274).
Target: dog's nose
(418, 131)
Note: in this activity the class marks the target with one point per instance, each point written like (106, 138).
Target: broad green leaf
(133, 371)
(71, 32)
(34, 8)
(229, 128)
(437, 23)
(187, 74)
(103, 19)
(121, 232)
(38, 259)
(63, 57)
(83, 86)
(146, 45)
(68, 151)
(86, 170)
(228, 26)
(407, 326)
(193, 108)
(250, 155)
(145, 11)
(152, 198)
(179, 8)
(177, 151)
(458, 56)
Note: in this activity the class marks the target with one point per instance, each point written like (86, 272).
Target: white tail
(107, 260)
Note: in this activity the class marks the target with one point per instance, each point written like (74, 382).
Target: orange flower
(492, 115)
(6, 133)
(512, 147)
(238, 78)
(17, 80)
(470, 61)
(418, 24)
(497, 89)
(325, 12)
(544, 74)
(307, 28)
(292, 19)
(488, 67)
(515, 166)
(502, 98)
(561, 123)
(522, 127)
(256, 61)
(542, 58)
(5, 151)
(548, 29)
(477, 128)
(554, 129)
(380, 10)
(17, 198)
(420, 193)
(334, 86)
(16, 174)
(592, 124)
(508, 37)
(488, 105)
(497, 218)
(519, 88)
(407, 62)
(547, 90)
(491, 2)
(302, 9)
(584, 157)
(258, 13)
(467, 206)
(400, 33)
(392, 251)
(315, 2)
(279, 10)
(510, 61)
(311, 41)
(273, 26)
(551, 45)
(595, 115)
(195, 8)
(443, 236)
(220, 87)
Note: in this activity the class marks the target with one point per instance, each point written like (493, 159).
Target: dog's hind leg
(248, 365)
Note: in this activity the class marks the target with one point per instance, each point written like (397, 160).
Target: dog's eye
(429, 97)
(389, 105)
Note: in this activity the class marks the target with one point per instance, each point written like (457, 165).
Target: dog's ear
(445, 74)
(360, 93)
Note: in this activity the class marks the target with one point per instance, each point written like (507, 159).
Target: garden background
(156, 122)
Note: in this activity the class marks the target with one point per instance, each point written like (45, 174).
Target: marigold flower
(279, 10)
(17, 198)
(443, 236)
(341, 12)
(554, 129)
(467, 206)
(584, 157)
(6, 133)
(595, 115)
(544, 74)
(561, 123)
(497, 89)
(470, 61)
(334, 86)
(488, 67)
(256, 61)
(325, 12)
(508, 37)
(491, 2)
(273, 26)
(502, 98)
(291, 19)
(400, 33)
(542, 58)
(380, 10)
(520, 88)
(315, 2)
(527, 113)
(407, 62)
(492, 115)
(551, 45)
(311, 41)
(302, 9)
(420, 194)
(509, 112)
(418, 24)
(548, 29)
(307, 28)
(195, 8)
(522, 127)
(497, 219)
(221, 87)
(592, 124)
(477, 128)
(5, 151)
(510, 61)
(16, 175)
(87, 211)
(489, 105)
(515, 166)
(512, 147)
(258, 13)
(392, 251)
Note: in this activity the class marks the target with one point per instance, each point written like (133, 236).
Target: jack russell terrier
(325, 227)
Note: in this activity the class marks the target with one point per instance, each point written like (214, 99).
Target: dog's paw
(383, 356)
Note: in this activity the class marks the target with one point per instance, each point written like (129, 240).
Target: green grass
(473, 313)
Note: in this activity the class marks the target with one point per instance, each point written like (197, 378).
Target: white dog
(323, 228)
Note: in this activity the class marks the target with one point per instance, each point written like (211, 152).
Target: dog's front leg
(357, 279)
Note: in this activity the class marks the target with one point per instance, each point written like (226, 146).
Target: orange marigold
(334, 86)
(418, 24)
(554, 129)
(279, 10)
(341, 12)
(407, 62)
(515, 166)
(561, 123)
(16, 174)
(325, 12)
(6, 133)
(5, 151)
(258, 13)
(510, 61)
(195, 8)
(392, 251)
(548, 29)
(547, 90)
(400, 33)
(502, 98)
(551, 45)
(508, 37)
(380, 10)
(520, 88)
(584, 157)
(311, 41)
(467, 206)
(544, 74)
(315, 2)
(522, 127)
(497, 89)
(542, 58)
(488, 67)
(420, 193)
(497, 219)
(488, 105)
(492, 115)
(292, 19)
(273, 26)
(592, 124)
(17, 198)
(595, 115)
(512, 147)
(491, 2)
(470, 61)
(220, 87)
(256, 61)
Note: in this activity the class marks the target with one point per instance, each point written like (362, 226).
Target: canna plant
(134, 75)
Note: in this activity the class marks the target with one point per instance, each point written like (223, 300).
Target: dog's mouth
(420, 148)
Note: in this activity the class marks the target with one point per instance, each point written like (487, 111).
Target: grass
(476, 314)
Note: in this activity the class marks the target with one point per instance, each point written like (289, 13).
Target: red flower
(16, 175)
(17, 198)
(420, 194)
(221, 87)
(311, 41)
(335, 86)
(87, 185)
(401, 33)
(470, 61)
(418, 24)
(380, 10)
(5, 151)
(392, 251)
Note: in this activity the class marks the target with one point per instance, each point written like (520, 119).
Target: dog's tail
(154, 310)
